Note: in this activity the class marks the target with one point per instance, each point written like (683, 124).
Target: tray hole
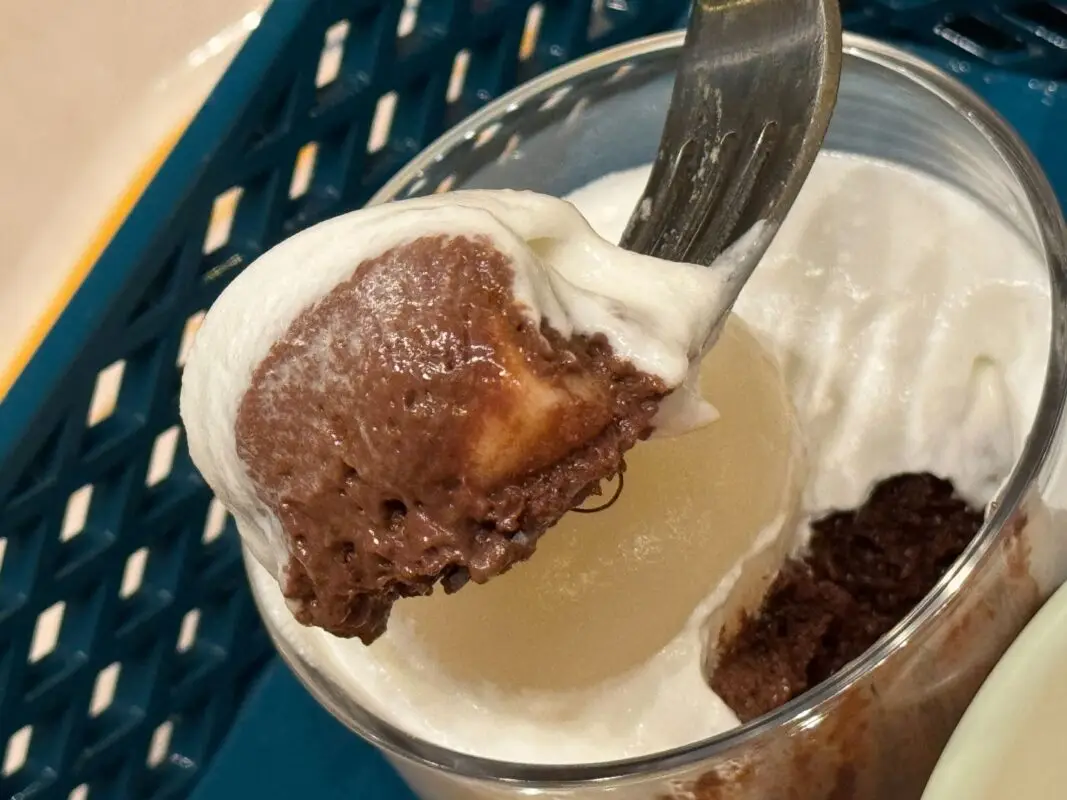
(621, 73)
(304, 170)
(555, 98)
(445, 185)
(17, 750)
(80, 792)
(216, 521)
(220, 225)
(531, 31)
(192, 326)
(382, 122)
(107, 681)
(511, 147)
(162, 459)
(106, 393)
(76, 514)
(1049, 16)
(459, 75)
(333, 50)
(408, 17)
(187, 632)
(975, 35)
(159, 748)
(133, 573)
(46, 631)
(486, 134)
(415, 189)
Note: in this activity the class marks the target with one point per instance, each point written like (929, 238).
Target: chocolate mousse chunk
(414, 426)
(865, 570)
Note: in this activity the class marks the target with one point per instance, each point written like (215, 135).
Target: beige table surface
(88, 89)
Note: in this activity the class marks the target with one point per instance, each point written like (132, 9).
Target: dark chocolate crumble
(865, 570)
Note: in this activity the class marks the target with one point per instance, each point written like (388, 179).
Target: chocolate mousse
(865, 570)
(416, 426)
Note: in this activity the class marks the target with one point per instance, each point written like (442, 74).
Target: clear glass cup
(875, 729)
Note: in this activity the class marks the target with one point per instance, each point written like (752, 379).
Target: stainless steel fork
(756, 86)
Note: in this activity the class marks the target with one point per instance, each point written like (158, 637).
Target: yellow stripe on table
(109, 225)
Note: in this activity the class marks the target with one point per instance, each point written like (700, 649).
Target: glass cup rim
(1036, 451)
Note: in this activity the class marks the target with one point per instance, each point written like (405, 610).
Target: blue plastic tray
(180, 634)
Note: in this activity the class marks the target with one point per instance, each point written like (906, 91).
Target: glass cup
(876, 728)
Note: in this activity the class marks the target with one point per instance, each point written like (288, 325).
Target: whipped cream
(910, 323)
(911, 327)
(657, 315)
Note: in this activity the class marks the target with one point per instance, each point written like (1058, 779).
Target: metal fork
(756, 85)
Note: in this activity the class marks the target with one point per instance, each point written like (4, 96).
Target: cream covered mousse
(413, 394)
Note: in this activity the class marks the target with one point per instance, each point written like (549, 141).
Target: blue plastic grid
(105, 524)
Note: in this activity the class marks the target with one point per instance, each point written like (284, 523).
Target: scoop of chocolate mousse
(416, 426)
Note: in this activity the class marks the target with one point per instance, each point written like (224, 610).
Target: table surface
(89, 89)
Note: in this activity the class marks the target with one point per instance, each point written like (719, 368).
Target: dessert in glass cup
(832, 518)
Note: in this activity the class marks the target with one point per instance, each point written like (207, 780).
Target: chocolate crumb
(865, 570)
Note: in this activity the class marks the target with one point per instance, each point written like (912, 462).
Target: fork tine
(708, 198)
(719, 223)
(669, 208)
